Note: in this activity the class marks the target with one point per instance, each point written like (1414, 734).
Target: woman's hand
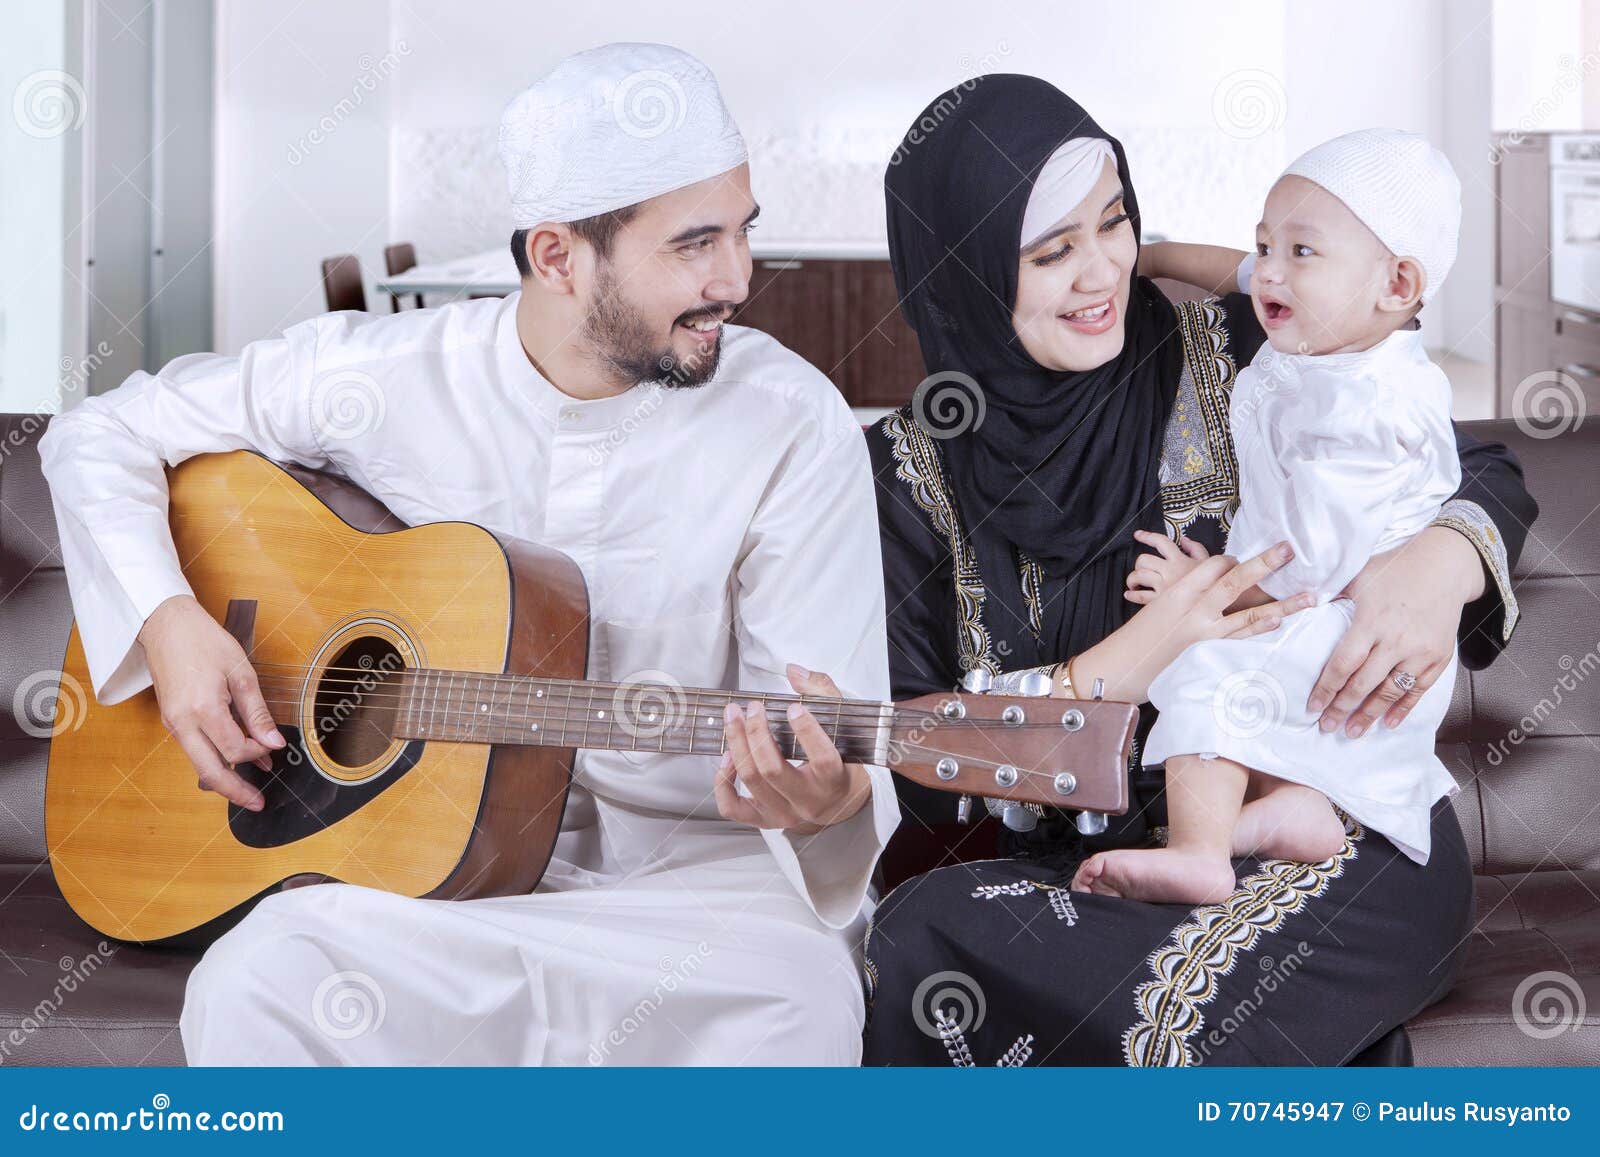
(1193, 608)
(1153, 574)
(1408, 609)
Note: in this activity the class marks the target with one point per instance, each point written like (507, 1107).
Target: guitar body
(142, 855)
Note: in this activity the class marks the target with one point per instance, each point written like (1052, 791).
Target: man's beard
(618, 336)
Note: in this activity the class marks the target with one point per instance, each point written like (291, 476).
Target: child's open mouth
(1276, 313)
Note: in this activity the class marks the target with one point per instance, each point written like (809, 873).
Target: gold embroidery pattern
(1033, 593)
(1472, 520)
(1199, 470)
(1209, 944)
(1199, 474)
(916, 458)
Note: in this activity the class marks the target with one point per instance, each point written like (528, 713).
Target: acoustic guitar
(430, 684)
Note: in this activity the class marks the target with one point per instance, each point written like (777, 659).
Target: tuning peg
(1091, 823)
(964, 810)
(1018, 817)
(977, 681)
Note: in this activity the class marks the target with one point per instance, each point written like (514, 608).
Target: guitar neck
(472, 707)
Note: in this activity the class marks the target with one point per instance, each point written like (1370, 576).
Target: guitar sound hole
(357, 701)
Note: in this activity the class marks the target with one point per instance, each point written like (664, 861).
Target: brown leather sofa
(1530, 804)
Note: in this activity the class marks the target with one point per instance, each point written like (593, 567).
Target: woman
(1094, 408)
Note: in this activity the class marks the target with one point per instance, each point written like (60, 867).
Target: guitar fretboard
(471, 707)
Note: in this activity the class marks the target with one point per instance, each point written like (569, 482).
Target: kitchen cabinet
(842, 316)
(1522, 226)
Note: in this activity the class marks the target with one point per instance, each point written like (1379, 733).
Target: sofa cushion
(1529, 992)
(70, 997)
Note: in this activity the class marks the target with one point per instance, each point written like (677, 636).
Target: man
(713, 488)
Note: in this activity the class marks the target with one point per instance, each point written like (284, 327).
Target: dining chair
(341, 282)
(397, 259)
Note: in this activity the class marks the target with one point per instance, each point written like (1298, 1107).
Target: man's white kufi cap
(1400, 187)
(612, 127)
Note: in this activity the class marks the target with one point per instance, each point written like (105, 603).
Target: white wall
(1211, 100)
(37, 146)
(1537, 82)
(1466, 309)
(302, 153)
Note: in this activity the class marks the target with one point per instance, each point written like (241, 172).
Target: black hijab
(1063, 466)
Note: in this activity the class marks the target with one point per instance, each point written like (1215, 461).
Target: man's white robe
(723, 531)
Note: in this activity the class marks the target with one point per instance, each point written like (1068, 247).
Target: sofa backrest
(35, 618)
(1523, 737)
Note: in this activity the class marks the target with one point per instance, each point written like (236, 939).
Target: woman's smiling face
(1072, 288)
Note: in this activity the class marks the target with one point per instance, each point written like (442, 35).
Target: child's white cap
(1400, 187)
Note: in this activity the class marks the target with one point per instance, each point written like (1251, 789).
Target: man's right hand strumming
(210, 698)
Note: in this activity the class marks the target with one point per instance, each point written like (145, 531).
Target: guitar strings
(433, 710)
(514, 680)
(991, 764)
(558, 734)
(376, 688)
(849, 720)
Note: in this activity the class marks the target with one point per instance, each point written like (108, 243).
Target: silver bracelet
(1036, 681)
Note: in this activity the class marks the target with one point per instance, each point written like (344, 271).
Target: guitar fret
(404, 727)
(457, 688)
(451, 727)
(482, 707)
(439, 717)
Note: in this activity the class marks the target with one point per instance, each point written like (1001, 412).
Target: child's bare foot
(1291, 822)
(1158, 875)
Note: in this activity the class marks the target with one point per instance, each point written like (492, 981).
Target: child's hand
(1154, 573)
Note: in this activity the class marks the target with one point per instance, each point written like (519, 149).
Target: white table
(494, 271)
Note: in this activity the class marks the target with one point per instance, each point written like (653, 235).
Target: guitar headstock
(1070, 753)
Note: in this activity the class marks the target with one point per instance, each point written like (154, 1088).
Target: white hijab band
(1066, 179)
